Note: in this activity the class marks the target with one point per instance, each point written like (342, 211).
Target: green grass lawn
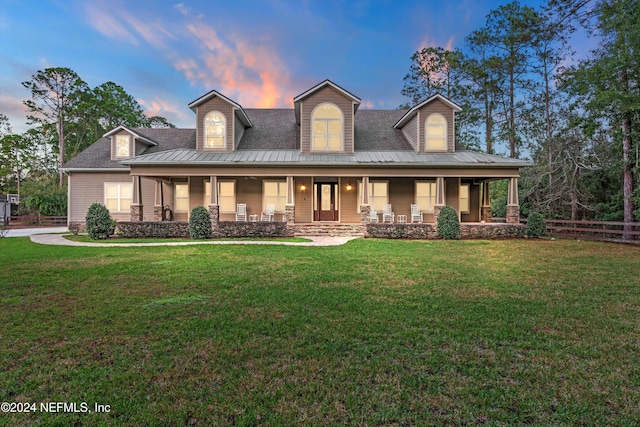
(374, 332)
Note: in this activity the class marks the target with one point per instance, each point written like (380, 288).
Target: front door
(326, 207)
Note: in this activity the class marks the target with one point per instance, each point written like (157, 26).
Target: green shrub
(200, 223)
(536, 226)
(100, 225)
(448, 223)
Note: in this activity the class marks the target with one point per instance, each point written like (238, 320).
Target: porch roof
(260, 158)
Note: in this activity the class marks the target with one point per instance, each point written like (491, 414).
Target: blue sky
(258, 53)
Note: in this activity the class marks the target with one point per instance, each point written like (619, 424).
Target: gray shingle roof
(274, 140)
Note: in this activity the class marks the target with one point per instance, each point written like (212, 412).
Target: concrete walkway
(21, 232)
(58, 239)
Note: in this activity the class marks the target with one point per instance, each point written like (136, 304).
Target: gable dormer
(325, 114)
(126, 143)
(220, 122)
(430, 126)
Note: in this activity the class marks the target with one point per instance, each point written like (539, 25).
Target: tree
(607, 85)
(54, 93)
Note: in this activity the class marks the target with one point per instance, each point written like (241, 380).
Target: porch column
(214, 208)
(513, 205)
(290, 207)
(136, 205)
(485, 210)
(158, 201)
(440, 199)
(365, 208)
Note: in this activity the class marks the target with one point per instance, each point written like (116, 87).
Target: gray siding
(437, 106)
(326, 94)
(410, 131)
(239, 131)
(227, 110)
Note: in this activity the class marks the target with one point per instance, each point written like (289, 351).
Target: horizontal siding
(452, 193)
(216, 103)
(88, 188)
(440, 107)
(474, 205)
(349, 202)
(410, 131)
(303, 201)
(326, 94)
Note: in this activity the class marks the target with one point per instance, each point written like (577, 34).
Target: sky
(260, 54)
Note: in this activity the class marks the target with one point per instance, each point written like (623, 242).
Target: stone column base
(365, 214)
(513, 214)
(137, 213)
(436, 214)
(290, 215)
(157, 213)
(485, 214)
(214, 214)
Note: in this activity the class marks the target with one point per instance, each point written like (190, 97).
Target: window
(378, 194)
(426, 195)
(464, 198)
(118, 196)
(436, 133)
(122, 146)
(214, 130)
(226, 195)
(275, 193)
(182, 198)
(327, 133)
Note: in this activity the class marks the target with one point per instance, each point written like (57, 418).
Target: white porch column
(440, 199)
(136, 205)
(290, 208)
(290, 191)
(365, 208)
(513, 205)
(158, 203)
(214, 208)
(485, 209)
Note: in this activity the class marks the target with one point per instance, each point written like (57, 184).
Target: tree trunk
(627, 186)
(61, 148)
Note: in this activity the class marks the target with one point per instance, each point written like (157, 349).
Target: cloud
(429, 42)
(248, 71)
(180, 7)
(15, 110)
(173, 111)
(107, 24)
(367, 105)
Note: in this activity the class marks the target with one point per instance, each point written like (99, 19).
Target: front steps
(329, 229)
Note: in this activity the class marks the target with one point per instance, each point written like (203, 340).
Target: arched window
(436, 132)
(215, 126)
(327, 128)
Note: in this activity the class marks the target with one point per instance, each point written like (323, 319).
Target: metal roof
(260, 158)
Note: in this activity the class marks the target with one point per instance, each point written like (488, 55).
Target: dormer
(127, 143)
(429, 126)
(325, 115)
(220, 122)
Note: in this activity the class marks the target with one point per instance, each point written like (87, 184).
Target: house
(326, 161)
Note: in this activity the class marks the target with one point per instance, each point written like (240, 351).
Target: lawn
(374, 332)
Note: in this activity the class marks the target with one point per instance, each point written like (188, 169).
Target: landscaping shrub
(99, 223)
(448, 224)
(536, 226)
(200, 223)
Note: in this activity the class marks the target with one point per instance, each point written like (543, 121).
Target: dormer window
(122, 146)
(215, 130)
(436, 132)
(327, 128)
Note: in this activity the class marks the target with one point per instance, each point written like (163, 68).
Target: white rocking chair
(241, 212)
(416, 214)
(267, 215)
(373, 216)
(387, 214)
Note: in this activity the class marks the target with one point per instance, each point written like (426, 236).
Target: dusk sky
(258, 53)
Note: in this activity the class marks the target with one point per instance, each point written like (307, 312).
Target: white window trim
(433, 196)
(426, 133)
(175, 197)
(204, 126)
(119, 198)
(468, 198)
(326, 142)
(283, 197)
(117, 137)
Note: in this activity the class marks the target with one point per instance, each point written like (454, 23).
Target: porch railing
(26, 221)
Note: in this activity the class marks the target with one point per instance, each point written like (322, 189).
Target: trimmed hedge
(252, 229)
(200, 223)
(99, 223)
(448, 224)
(400, 231)
(153, 229)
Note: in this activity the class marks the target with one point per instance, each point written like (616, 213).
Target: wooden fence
(607, 231)
(28, 221)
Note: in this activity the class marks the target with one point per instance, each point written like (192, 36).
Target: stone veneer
(157, 213)
(290, 215)
(365, 214)
(137, 212)
(485, 214)
(513, 214)
(214, 214)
